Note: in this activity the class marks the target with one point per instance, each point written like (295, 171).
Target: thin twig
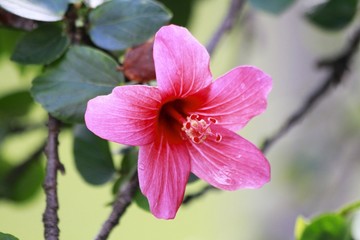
(122, 202)
(338, 66)
(50, 216)
(188, 198)
(227, 24)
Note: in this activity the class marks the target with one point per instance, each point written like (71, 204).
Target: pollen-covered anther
(198, 130)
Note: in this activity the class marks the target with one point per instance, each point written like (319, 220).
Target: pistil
(198, 130)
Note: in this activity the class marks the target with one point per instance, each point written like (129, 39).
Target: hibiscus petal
(237, 96)
(163, 173)
(230, 164)
(127, 116)
(181, 62)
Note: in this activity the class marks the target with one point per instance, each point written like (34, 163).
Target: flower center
(198, 130)
(176, 122)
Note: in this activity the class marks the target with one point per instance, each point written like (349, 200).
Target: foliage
(80, 46)
(333, 14)
(5, 236)
(332, 226)
(92, 156)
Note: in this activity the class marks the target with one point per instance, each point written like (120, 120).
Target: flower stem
(123, 200)
(50, 216)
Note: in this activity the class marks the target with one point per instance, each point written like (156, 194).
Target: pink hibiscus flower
(186, 123)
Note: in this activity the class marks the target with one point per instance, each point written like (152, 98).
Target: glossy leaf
(92, 156)
(41, 46)
(6, 236)
(15, 104)
(119, 24)
(84, 73)
(333, 14)
(41, 10)
(327, 226)
(272, 6)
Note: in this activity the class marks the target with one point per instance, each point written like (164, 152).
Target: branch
(188, 198)
(337, 66)
(227, 24)
(50, 216)
(122, 202)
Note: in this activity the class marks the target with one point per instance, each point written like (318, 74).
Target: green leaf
(41, 46)
(15, 104)
(192, 178)
(4, 169)
(129, 161)
(8, 38)
(272, 6)
(92, 155)
(119, 24)
(333, 14)
(41, 10)
(5, 236)
(21, 183)
(28, 183)
(84, 73)
(3, 132)
(141, 201)
(349, 209)
(127, 168)
(300, 225)
(181, 10)
(327, 226)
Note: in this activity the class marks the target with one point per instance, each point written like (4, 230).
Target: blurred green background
(315, 168)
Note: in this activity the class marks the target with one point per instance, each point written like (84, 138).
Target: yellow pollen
(198, 130)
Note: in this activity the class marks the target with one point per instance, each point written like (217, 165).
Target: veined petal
(163, 173)
(230, 164)
(237, 96)
(127, 116)
(181, 62)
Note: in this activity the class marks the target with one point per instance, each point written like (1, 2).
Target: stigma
(198, 130)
